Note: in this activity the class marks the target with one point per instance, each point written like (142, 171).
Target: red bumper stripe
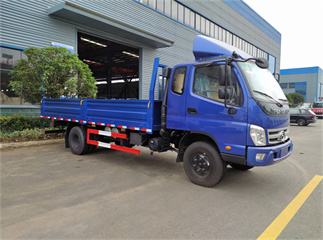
(115, 147)
(125, 149)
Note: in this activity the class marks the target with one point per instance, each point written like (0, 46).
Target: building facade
(119, 39)
(306, 81)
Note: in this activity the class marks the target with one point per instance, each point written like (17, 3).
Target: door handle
(191, 111)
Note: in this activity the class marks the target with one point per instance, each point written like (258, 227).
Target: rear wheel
(77, 141)
(91, 148)
(301, 122)
(203, 164)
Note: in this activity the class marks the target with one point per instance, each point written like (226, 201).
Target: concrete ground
(49, 193)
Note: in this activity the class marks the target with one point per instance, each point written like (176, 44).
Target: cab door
(206, 113)
(176, 100)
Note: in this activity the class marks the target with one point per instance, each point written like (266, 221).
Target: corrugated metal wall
(228, 18)
(26, 23)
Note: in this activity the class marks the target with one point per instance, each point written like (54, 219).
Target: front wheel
(203, 164)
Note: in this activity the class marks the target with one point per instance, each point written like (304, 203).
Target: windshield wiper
(270, 97)
(284, 100)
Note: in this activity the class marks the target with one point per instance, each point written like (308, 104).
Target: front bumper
(273, 155)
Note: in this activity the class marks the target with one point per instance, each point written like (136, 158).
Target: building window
(272, 63)
(301, 87)
(8, 60)
(284, 85)
(192, 19)
(160, 6)
(168, 7)
(198, 22)
(207, 27)
(151, 3)
(203, 24)
(287, 85)
(180, 13)
(174, 10)
(187, 15)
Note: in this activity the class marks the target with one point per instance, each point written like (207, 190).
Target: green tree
(298, 98)
(52, 72)
(290, 99)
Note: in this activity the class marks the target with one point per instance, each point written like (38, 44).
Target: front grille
(278, 135)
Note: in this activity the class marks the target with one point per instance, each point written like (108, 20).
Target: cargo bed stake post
(152, 92)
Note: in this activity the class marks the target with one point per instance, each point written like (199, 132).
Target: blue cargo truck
(224, 108)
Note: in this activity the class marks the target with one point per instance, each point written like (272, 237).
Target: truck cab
(317, 108)
(230, 100)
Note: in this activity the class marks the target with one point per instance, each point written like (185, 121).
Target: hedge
(20, 122)
(27, 135)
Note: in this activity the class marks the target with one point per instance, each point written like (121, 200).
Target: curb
(30, 144)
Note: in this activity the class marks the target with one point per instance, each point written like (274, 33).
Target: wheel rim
(301, 122)
(201, 164)
(75, 141)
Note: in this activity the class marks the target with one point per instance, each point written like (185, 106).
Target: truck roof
(207, 47)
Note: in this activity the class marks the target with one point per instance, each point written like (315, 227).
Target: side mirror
(276, 76)
(262, 63)
(223, 94)
(224, 69)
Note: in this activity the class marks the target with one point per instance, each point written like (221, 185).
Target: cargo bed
(140, 115)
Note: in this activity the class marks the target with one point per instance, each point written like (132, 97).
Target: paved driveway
(49, 193)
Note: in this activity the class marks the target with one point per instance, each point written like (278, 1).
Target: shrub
(4, 137)
(33, 134)
(20, 122)
(27, 135)
(14, 135)
(298, 99)
(289, 98)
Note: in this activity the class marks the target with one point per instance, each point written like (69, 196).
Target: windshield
(318, 105)
(261, 83)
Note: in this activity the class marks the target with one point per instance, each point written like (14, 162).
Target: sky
(300, 23)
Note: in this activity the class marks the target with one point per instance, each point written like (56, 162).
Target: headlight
(258, 135)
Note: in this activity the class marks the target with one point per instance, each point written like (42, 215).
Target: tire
(301, 122)
(240, 167)
(77, 141)
(203, 164)
(91, 148)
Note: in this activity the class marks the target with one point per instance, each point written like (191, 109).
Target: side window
(206, 84)
(178, 80)
(293, 111)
